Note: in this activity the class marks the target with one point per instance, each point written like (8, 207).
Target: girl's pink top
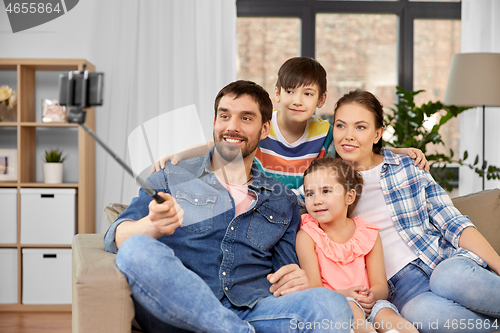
(342, 265)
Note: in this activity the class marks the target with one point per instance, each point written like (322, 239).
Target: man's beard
(230, 152)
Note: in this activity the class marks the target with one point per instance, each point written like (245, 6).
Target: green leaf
(54, 156)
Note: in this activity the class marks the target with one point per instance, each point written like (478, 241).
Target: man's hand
(288, 279)
(419, 158)
(167, 216)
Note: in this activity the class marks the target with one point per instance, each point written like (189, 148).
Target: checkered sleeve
(443, 213)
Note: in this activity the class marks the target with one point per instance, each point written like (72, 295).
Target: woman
(443, 274)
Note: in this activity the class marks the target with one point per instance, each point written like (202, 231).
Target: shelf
(35, 246)
(44, 185)
(33, 80)
(35, 308)
(8, 184)
(34, 124)
(8, 124)
(45, 246)
(46, 64)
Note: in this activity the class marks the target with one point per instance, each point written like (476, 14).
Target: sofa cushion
(483, 209)
(114, 210)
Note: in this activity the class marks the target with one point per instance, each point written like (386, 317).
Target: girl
(341, 253)
(441, 270)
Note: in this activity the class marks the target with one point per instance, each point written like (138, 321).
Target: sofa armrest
(101, 295)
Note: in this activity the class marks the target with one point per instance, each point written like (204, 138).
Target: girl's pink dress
(342, 265)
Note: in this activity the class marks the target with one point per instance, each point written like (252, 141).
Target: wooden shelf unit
(26, 131)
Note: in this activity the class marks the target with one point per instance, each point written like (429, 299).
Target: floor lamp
(474, 80)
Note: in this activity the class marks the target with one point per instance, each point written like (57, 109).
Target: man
(218, 255)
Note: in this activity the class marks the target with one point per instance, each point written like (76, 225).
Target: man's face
(238, 127)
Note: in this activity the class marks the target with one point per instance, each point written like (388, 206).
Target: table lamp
(474, 80)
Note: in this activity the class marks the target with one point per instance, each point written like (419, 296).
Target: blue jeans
(168, 297)
(458, 296)
(379, 305)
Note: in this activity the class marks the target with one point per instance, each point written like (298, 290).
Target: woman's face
(354, 134)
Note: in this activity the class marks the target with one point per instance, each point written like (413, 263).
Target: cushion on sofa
(114, 210)
(483, 209)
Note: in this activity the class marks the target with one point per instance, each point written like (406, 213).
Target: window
(264, 44)
(357, 51)
(374, 45)
(435, 42)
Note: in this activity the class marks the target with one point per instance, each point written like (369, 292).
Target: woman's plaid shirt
(423, 213)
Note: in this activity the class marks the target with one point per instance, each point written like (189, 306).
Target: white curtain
(167, 55)
(157, 56)
(480, 33)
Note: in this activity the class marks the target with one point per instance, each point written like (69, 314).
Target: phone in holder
(81, 88)
(78, 90)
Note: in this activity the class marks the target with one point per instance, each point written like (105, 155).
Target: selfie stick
(77, 115)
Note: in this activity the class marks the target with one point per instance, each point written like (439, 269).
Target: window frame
(407, 11)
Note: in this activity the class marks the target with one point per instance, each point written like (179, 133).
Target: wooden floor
(35, 322)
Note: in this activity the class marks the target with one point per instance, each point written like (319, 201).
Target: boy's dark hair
(343, 173)
(252, 89)
(301, 71)
(371, 103)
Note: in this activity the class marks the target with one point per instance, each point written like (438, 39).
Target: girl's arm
(414, 153)
(472, 240)
(308, 260)
(190, 152)
(375, 268)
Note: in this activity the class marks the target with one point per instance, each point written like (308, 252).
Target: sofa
(102, 298)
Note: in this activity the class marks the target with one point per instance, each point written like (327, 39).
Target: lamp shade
(474, 80)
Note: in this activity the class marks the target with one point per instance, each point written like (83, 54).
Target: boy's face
(299, 104)
(325, 198)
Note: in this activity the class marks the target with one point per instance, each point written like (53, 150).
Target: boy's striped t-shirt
(286, 162)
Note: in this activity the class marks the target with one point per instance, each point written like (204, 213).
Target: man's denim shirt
(233, 255)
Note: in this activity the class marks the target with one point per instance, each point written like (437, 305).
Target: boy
(297, 136)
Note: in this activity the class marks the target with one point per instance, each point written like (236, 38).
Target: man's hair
(252, 89)
(369, 102)
(343, 173)
(301, 71)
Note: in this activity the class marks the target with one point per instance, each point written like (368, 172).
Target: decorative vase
(8, 114)
(52, 173)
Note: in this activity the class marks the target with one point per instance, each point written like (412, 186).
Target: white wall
(480, 33)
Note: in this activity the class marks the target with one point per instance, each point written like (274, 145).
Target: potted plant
(407, 125)
(53, 167)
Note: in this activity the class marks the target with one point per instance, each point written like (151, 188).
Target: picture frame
(8, 164)
(52, 112)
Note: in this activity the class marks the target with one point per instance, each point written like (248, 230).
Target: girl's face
(325, 198)
(354, 135)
